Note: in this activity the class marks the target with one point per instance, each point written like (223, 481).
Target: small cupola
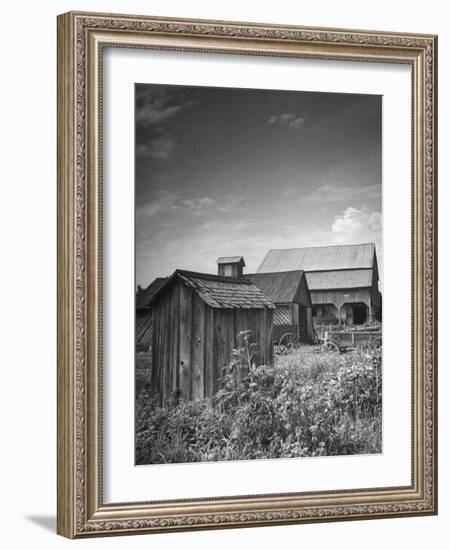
(231, 266)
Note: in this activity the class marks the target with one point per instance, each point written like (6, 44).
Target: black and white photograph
(258, 274)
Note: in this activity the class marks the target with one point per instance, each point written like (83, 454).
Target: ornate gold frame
(81, 37)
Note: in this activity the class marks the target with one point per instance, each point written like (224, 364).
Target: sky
(236, 172)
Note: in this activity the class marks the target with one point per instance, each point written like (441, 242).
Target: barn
(196, 318)
(289, 292)
(343, 280)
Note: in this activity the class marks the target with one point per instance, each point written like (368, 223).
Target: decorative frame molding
(81, 37)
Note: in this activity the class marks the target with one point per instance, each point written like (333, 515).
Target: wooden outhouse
(196, 318)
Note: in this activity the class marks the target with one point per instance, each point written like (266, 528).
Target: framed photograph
(246, 274)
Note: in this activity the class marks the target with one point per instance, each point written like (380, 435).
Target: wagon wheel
(330, 346)
(287, 343)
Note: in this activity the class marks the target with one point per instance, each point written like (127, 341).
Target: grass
(309, 403)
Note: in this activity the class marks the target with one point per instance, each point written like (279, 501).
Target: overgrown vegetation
(310, 403)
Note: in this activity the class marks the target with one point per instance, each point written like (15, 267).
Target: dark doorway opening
(359, 314)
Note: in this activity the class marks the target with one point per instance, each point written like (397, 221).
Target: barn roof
(230, 260)
(339, 279)
(319, 258)
(221, 292)
(280, 287)
(145, 297)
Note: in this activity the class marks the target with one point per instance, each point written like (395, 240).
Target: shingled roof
(220, 292)
(339, 279)
(319, 258)
(280, 287)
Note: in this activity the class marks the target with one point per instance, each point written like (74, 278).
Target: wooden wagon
(349, 340)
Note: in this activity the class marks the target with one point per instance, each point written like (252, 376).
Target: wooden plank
(197, 368)
(268, 337)
(165, 349)
(231, 334)
(209, 352)
(213, 369)
(174, 339)
(161, 349)
(263, 337)
(220, 337)
(185, 341)
(262, 359)
(254, 319)
(155, 366)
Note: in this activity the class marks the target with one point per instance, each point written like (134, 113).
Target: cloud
(356, 222)
(156, 113)
(194, 204)
(232, 204)
(355, 225)
(291, 191)
(343, 193)
(196, 246)
(287, 119)
(160, 147)
(166, 203)
(159, 205)
(156, 104)
(170, 203)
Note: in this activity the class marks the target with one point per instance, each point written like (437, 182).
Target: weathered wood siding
(166, 344)
(302, 325)
(294, 318)
(144, 329)
(309, 323)
(184, 320)
(192, 342)
(340, 297)
(303, 296)
(228, 323)
(284, 314)
(223, 342)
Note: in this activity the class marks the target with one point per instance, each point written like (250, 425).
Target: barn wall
(225, 328)
(199, 344)
(166, 378)
(309, 324)
(340, 297)
(209, 366)
(260, 322)
(303, 296)
(155, 366)
(303, 330)
(284, 314)
(184, 365)
(303, 319)
(267, 337)
(144, 329)
(376, 298)
(228, 324)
